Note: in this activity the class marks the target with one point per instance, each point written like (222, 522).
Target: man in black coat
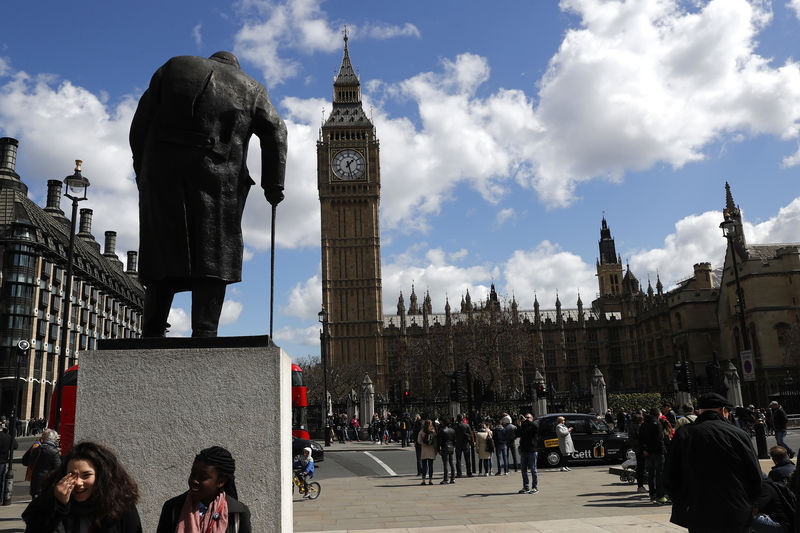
(528, 436)
(463, 443)
(780, 421)
(712, 473)
(651, 440)
(189, 139)
(7, 445)
(43, 457)
(447, 446)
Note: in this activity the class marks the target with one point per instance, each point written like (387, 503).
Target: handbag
(31, 451)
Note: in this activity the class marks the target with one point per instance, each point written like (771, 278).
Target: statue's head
(225, 57)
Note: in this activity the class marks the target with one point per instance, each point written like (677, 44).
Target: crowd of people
(702, 462)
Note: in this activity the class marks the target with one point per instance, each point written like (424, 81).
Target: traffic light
(683, 376)
(454, 387)
(478, 391)
(405, 396)
(539, 390)
(689, 376)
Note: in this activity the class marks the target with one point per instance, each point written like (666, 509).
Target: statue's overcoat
(189, 139)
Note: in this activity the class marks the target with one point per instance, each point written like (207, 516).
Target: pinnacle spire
(729, 205)
(347, 75)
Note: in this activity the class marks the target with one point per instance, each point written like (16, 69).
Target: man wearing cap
(780, 420)
(712, 473)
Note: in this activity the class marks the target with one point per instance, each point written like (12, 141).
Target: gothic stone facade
(106, 298)
(635, 336)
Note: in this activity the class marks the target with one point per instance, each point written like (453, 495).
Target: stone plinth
(157, 402)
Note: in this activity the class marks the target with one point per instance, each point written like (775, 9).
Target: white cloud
(639, 83)
(5, 68)
(795, 6)
(303, 336)
(782, 228)
(297, 219)
(429, 270)
(647, 82)
(388, 31)
(197, 33)
(231, 309)
(305, 299)
(458, 255)
(57, 122)
(548, 270)
(697, 239)
(794, 159)
(180, 324)
(270, 29)
(504, 215)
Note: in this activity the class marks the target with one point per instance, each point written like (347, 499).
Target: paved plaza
(370, 488)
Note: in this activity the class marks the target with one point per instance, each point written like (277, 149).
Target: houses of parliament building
(634, 335)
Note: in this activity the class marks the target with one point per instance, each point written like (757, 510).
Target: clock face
(348, 165)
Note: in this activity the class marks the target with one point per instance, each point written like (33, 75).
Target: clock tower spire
(348, 181)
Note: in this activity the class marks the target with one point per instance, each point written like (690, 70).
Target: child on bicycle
(303, 467)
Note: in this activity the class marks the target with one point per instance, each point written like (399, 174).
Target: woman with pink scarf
(210, 505)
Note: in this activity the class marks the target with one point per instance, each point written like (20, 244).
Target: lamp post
(729, 231)
(76, 191)
(8, 489)
(324, 337)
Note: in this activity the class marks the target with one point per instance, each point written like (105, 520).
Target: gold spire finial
(78, 164)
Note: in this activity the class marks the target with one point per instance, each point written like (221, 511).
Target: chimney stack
(86, 223)
(132, 257)
(8, 162)
(111, 244)
(8, 154)
(54, 196)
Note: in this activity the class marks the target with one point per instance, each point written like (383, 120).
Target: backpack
(489, 444)
(429, 439)
(787, 499)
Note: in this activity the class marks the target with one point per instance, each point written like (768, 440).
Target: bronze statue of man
(189, 139)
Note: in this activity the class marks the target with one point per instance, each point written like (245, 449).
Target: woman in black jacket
(90, 491)
(210, 504)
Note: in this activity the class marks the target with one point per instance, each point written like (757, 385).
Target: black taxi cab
(592, 438)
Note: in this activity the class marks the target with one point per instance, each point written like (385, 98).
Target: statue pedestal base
(157, 402)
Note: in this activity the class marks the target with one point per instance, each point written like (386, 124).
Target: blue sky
(506, 133)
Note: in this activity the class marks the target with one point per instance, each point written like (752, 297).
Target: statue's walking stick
(272, 269)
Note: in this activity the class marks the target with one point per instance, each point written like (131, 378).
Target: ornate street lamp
(730, 232)
(77, 185)
(22, 351)
(324, 339)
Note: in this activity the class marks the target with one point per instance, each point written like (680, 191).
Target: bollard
(761, 440)
(8, 487)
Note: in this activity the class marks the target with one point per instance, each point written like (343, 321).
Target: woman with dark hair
(90, 491)
(210, 504)
(428, 443)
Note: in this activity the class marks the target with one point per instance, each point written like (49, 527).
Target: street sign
(748, 366)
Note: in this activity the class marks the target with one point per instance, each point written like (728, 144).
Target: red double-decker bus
(299, 404)
(69, 393)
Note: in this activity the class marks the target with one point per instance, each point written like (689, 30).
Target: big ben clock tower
(348, 180)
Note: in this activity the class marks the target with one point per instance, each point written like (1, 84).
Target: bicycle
(311, 491)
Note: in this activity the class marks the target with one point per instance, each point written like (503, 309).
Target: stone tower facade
(348, 181)
(609, 265)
